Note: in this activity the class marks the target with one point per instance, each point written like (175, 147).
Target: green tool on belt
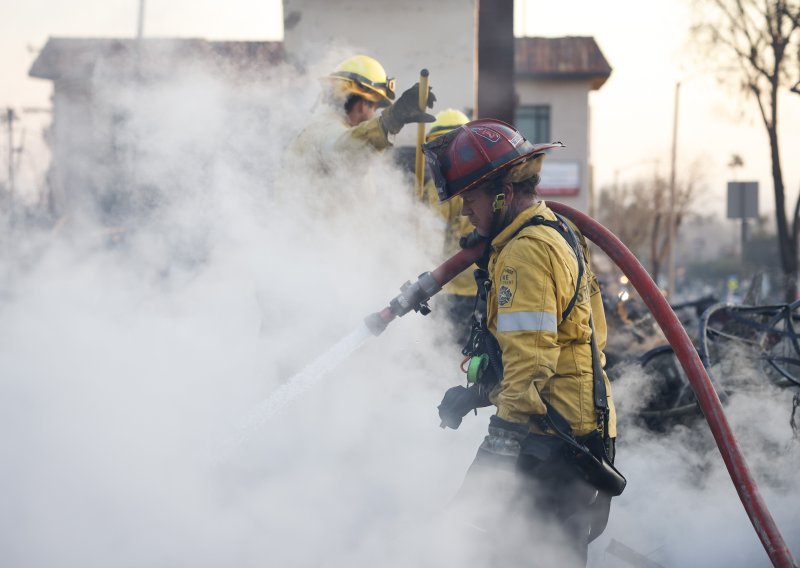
(477, 366)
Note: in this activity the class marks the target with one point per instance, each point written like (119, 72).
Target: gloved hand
(470, 240)
(406, 110)
(459, 401)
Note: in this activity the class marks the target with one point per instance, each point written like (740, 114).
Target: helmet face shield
(435, 168)
(438, 162)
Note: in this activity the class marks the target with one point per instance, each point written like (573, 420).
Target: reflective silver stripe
(526, 321)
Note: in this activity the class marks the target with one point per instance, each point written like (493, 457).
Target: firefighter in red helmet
(535, 352)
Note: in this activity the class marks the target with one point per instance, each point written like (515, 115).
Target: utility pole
(495, 96)
(20, 150)
(140, 26)
(10, 118)
(671, 217)
(672, 190)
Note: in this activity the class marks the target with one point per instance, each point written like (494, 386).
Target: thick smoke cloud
(127, 362)
(680, 507)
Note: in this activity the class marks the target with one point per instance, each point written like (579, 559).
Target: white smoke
(680, 507)
(126, 358)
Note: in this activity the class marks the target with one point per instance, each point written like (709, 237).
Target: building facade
(554, 78)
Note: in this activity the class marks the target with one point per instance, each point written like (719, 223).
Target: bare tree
(761, 39)
(647, 201)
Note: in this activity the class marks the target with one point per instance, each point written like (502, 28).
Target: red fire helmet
(466, 156)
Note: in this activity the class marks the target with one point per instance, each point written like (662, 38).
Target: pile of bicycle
(741, 346)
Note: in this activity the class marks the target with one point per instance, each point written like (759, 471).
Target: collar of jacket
(506, 234)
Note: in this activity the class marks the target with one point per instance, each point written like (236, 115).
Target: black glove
(459, 401)
(406, 110)
(470, 240)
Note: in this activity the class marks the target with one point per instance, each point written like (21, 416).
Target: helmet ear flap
(526, 169)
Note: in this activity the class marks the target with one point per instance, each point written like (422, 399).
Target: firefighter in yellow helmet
(459, 294)
(535, 353)
(346, 120)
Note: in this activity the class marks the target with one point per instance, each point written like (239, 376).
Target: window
(534, 123)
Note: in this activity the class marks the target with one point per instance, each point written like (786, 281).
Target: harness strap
(565, 230)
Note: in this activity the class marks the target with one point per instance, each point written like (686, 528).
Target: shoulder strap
(566, 231)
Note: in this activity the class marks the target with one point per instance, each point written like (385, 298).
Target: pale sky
(644, 41)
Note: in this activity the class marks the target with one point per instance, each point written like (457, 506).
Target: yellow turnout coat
(533, 278)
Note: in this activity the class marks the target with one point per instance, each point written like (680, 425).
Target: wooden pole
(423, 104)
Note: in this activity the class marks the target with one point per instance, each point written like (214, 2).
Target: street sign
(742, 199)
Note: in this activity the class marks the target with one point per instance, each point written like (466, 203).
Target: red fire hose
(414, 296)
(707, 397)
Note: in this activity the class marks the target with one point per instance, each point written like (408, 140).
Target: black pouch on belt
(589, 456)
(587, 453)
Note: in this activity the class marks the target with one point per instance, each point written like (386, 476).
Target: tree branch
(739, 24)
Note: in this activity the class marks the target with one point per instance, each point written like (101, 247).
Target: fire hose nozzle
(411, 297)
(376, 322)
(415, 296)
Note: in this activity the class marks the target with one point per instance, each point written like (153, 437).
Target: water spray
(298, 384)
(412, 297)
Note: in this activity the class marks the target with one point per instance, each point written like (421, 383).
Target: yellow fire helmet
(363, 75)
(446, 120)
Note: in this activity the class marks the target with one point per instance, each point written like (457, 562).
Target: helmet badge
(486, 134)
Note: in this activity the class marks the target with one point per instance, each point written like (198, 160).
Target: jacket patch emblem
(508, 286)
(505, 296)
